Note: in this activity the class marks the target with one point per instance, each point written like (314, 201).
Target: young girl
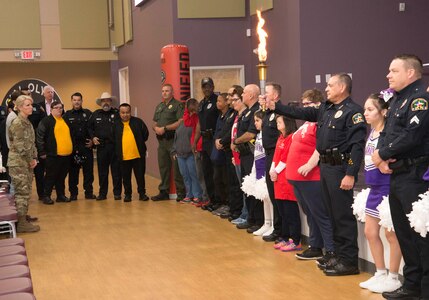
(283, 191)
(375, 113)
(254, 184)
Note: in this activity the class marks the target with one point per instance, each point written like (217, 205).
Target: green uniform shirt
(168, 113)
(22, 148)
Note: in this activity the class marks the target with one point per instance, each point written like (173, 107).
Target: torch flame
(262, 34)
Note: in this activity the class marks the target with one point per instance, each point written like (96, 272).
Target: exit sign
(27, 54)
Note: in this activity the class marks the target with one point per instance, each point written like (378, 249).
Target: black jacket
(45, 137)
(141, 134)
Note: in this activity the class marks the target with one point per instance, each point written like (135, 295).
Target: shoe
(238, 221)
(262, 230)
(90, 196)
(388, 285)
(280, 244)
(402, 293)
(270, 238)
(100, 197)
(143, 197)
(179, 198)
(41, 198)
(220, 210)
(62, 199)
(243, 225)
(310, 253)
(269, 231)
(73, 197)
(160, 197)
(341, 269)
(31, 219)
(48, 201)
(127, 198)
(117, 197)
(186, 200)
(379, 276)
(291, 246)
(24, 226)
(253, 228)
(195, 201)
(329, 259)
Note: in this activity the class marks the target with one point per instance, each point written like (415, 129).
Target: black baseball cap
(207, 80)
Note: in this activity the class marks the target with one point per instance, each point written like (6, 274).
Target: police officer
(101, 131)
(340, 141)
(167, 117)
(405, 152)
(246, 132)
(207, 115)
(270, 134)
(77, 119)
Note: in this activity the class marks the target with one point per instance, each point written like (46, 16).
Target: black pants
(255, 207)
(208, 174)
(88, 173)
(221, 184)
(138, 166)
(339, 206)
(270, 186)
(39, 175)
(291, 221)
(57, 168)
(404, 190)
(235, 192)
(106, 157)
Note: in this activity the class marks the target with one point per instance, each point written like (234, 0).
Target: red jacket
(283, 190)
(192, 121)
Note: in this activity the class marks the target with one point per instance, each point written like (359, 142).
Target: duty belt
(334, 157)
(405, 164)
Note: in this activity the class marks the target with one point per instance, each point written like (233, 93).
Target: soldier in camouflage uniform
(22, 160)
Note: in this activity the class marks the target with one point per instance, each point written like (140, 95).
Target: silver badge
(338, 114)
(84, 115)
(209, 106)
(272, 117)
(248, 113)
(112, 116)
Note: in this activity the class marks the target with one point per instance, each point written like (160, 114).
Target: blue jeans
(244, 212)
(189, 173)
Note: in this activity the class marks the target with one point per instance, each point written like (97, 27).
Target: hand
(262, 99)
(43, 156)
(384, 166)
(305, 169)
(159, 130)
(88, 143)
(174, 156)
(33, 164)
(194, 148)
(233, 160)
(376, 159)
(234, 147)
(273, 175)
(347, 183)
(96, 141)
(218, 145)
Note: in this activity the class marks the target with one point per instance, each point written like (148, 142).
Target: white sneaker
(388, 285)
(269, 232)
(262, 230)
(378, 277)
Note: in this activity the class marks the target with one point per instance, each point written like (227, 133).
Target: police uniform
(39, 171)
(101, 125)
(340, 141)
(22, 151)
(207, 115)
(78, 123)
(406, 138)
(166, 114)
(270, 135)
(246, 123)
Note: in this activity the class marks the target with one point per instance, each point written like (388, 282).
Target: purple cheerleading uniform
(378, 182)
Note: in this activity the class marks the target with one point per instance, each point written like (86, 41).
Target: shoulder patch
(419, 104)
(357, 118)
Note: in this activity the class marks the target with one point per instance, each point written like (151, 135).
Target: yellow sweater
(63, 137)
(129, 145)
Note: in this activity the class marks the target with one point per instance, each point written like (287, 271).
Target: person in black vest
(101, 127)
(78, 118)
(131, 134)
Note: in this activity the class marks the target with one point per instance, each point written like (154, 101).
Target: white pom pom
(359, 205)
(248, 184)
(419, 216)
(385, 216)
(261, 190)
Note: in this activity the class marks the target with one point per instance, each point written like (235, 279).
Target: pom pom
(253, 187)
(359, 205)
(261, 190)
(385, 216)
(248, 184)
(419, 216)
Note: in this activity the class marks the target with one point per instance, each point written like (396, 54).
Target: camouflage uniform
(22, 151)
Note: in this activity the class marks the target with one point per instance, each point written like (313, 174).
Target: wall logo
(35, 86)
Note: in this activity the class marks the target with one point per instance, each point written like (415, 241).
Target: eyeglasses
(306, 103)
(235, 99)
(57, 108)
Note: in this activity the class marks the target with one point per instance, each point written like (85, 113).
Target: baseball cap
(207, 80)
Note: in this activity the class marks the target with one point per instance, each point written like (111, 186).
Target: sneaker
(238, 221)
(388, 285)
(281, 244)
(195, 201)
(330, 258)
(291, 247)
(262, 230)
(378, 277)
(310, 253)
(185, 200)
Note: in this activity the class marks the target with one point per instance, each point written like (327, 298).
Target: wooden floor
(164, 250)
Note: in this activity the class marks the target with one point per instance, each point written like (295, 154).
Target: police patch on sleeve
(357, 118)
(419, 104)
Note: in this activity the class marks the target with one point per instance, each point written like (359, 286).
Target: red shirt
(192, 121)
(283, 190)
(301, 149)
(235, 154)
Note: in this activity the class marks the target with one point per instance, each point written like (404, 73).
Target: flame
(262, 34)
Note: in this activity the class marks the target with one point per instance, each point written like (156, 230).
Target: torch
(262, 54)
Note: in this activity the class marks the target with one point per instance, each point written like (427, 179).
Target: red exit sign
(27, 54)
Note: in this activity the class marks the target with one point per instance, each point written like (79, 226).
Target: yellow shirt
(129, 145)
(63, 137)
